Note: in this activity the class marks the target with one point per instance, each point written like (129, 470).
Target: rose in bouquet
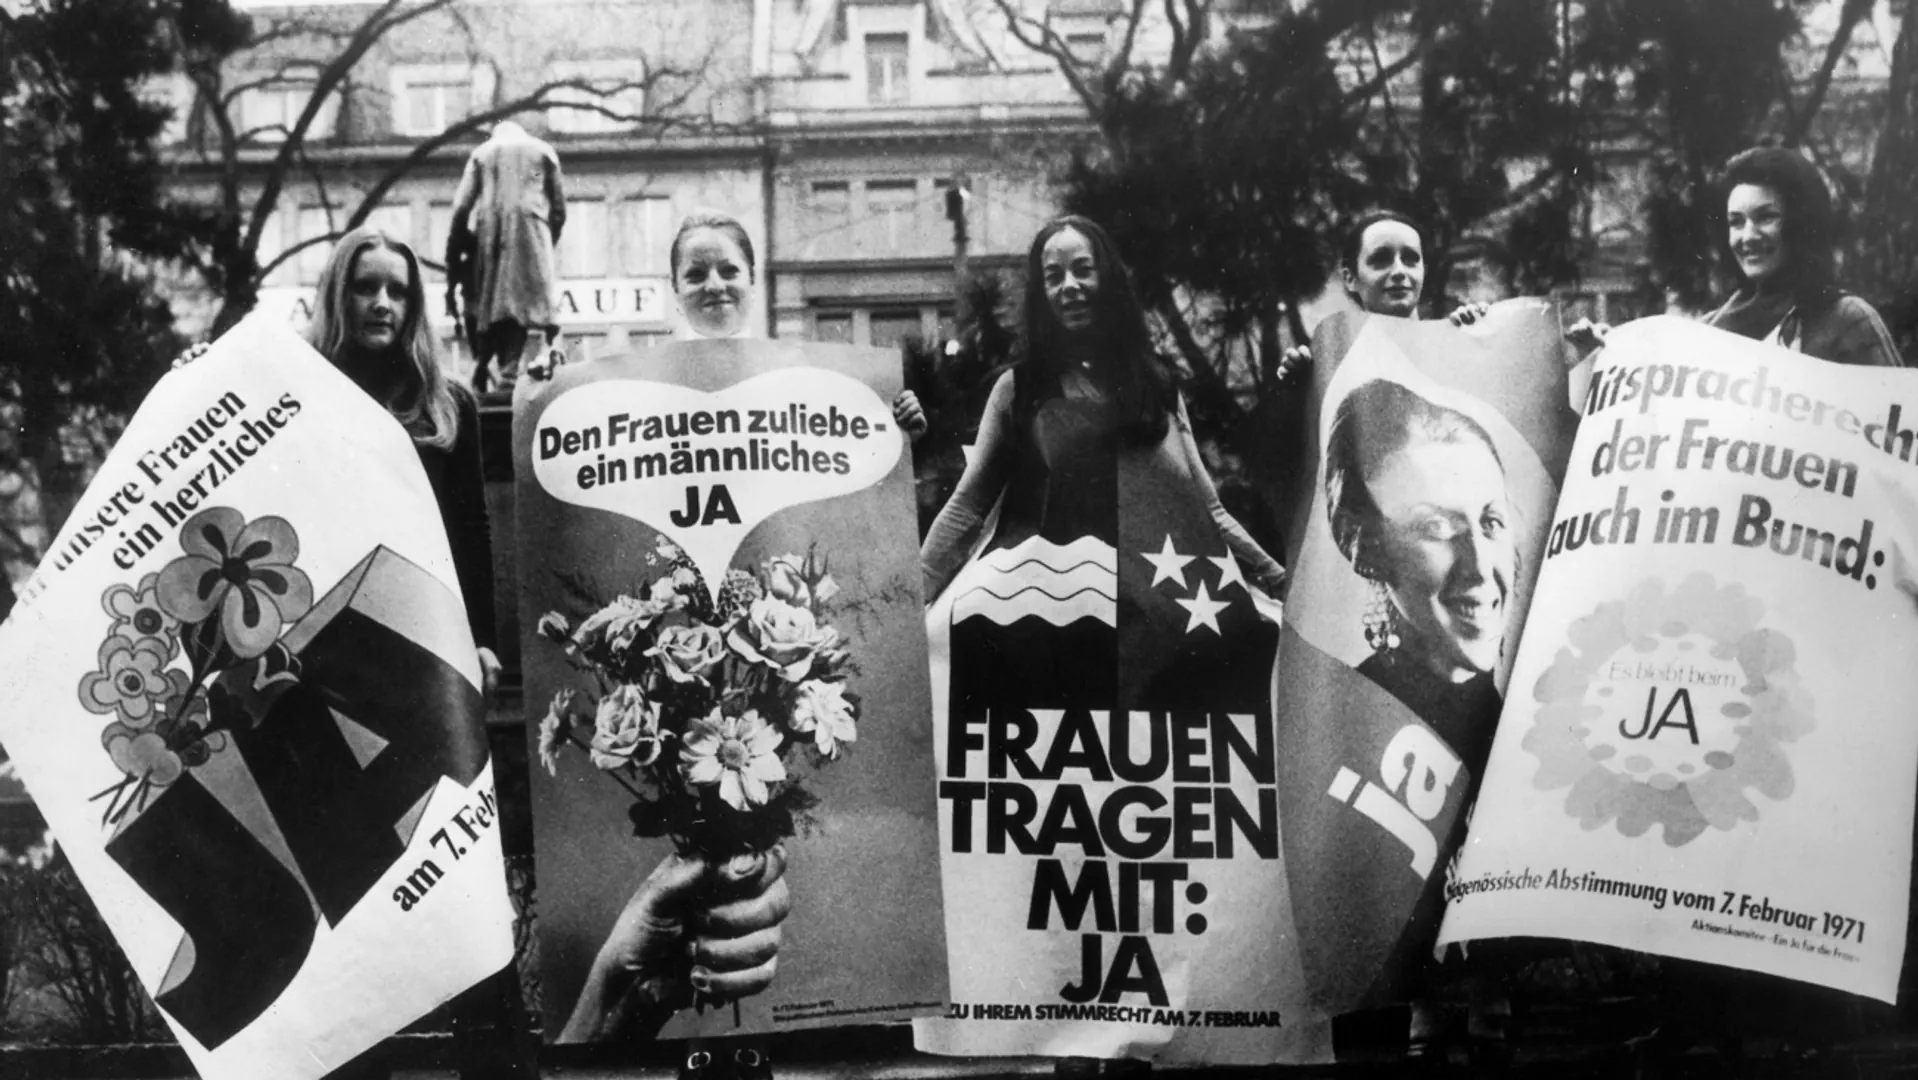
(710, 709)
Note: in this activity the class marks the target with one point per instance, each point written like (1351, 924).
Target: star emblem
(1228, 571)
(1168, 564)
(1202, 610)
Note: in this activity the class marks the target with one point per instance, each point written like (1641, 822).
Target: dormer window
(887, 68)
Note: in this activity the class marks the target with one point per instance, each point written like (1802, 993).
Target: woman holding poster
(1090, 384)
(1112, 611)
(1781, 232)
(714, 277)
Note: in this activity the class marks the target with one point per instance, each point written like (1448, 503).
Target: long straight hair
(424, 406)
(1128, 368)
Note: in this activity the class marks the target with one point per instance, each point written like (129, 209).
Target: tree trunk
(1886, 271)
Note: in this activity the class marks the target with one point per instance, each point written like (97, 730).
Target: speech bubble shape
(703, 467)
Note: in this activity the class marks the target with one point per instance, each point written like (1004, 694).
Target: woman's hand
(1467, 314)
(193, 352)
(489, 671)
(910, 417)
(1294, 360)
(691, 927)
(1587, 336)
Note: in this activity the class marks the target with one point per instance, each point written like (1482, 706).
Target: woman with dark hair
(1382, 266)
(1090, 387)
(1416, 496)
(1781, 232)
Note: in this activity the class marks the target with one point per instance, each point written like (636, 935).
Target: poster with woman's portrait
(733, 801)
(1434, 456)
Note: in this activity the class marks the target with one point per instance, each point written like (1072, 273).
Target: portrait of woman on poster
(1416, 494)
(1090, 387)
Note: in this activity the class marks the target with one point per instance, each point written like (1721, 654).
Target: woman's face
(714, 282)
(376, 298)
(1391, 269)
(1448, 554)
(1071, 280)
(1755, 216)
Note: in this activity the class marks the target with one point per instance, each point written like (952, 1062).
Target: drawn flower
(143, 755)
(1745, 702)
(242, 570)
(137, 612)
(159, 753)
(132, 680)
(823, 709)
(614, 628)
(689, 653)
(781, 636)
(740, 754)
(625, 730)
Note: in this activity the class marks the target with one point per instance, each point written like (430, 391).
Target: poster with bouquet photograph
(733, 809)
(243, 692)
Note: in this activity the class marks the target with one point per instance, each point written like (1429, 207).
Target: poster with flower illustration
(242, 691)
(733, 816)
(1706, 749)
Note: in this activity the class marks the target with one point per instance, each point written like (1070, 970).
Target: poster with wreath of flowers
(242, 690)
(726, 680)
(1707, 750)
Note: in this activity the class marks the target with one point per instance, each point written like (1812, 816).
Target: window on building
(428, 98)
(439, 225)
(615, 89)
(643, 231)
(323, 222)
(887, 57)
(272, 243)
(395, 219)
(272, 102)
(585, 244)
(832, 196)
(892, 326)
(834, 326)
(1086, 46)
(892, 202)
(315, 223)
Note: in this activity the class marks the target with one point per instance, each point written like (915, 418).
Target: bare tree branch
(1849, 17)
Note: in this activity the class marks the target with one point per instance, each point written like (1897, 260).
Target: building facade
(832, 130)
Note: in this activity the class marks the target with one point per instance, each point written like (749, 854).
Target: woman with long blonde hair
(370, 321)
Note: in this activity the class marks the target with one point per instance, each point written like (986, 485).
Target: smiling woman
(1781, 231)
(1416, 495)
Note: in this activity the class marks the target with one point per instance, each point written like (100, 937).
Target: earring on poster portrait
(1381, 619)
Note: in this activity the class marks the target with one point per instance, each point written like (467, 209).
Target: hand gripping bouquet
(710, 711)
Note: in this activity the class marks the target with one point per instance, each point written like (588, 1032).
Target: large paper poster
(721, 589)
(1102, 679)
(242, 690)
(1709, 751)
(1424, 501)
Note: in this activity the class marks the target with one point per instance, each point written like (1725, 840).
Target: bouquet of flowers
(221, 605)
(708, 710)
